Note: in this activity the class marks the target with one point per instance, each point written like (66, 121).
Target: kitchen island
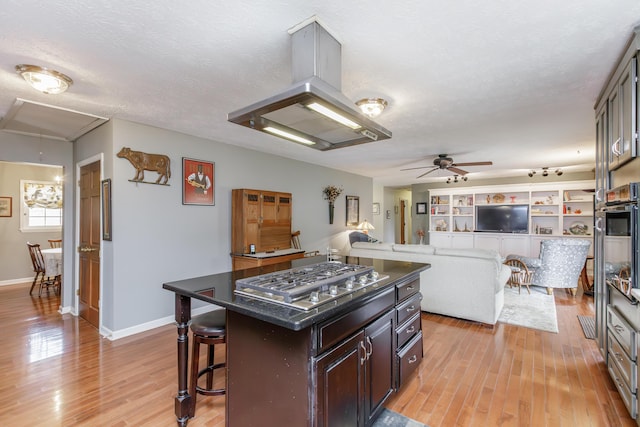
(334, 364)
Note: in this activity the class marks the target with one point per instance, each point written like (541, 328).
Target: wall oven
(620, 252)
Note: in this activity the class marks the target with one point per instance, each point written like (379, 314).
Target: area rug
(588, 324)
(389, 418)
(536, 310)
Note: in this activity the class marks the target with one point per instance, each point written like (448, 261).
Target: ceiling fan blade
(419, 167)
(427, 173)
(473, 164)
(456, 170)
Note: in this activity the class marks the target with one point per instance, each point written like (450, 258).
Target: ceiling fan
(443, 161)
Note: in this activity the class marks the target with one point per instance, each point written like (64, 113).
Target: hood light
(333, 115)
(45, 80)
(288, 135)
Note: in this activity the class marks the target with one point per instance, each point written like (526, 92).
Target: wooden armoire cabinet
(261, 218)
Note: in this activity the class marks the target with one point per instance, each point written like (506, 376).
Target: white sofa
(464, 283)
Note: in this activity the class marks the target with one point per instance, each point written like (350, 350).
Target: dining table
(52, 261)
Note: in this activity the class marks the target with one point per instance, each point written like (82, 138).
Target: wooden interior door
(89, 248)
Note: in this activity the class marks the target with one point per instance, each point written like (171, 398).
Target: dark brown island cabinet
(335, 365)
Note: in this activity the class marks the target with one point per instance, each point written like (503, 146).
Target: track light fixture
(545, 172)
(455, 179)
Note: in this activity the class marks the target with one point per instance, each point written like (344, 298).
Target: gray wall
(158, 239)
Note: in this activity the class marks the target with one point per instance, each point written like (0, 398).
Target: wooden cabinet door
(379, 379)
(284, 209)
(615, 131)
(339, 385)
(251, 213)
(627, 96)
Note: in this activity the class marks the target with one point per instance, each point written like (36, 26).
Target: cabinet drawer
(407, 330)
(625, 365)
(409, 359)
(334, 331)
(408, 308)
(623, 332)
(628, 398)
(406, 289)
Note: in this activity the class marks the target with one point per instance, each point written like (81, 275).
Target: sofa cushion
(375, 246)
(469, 252)
(420, 249)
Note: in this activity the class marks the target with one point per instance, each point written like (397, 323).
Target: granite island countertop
(219, 289)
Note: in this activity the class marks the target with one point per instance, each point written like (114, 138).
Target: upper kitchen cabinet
(617, 114)
(623, 132)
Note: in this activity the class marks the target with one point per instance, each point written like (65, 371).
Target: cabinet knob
(413, 359)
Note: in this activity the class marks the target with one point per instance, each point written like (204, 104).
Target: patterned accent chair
(559, 264)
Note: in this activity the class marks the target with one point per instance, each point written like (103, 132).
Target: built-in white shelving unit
(561, 209)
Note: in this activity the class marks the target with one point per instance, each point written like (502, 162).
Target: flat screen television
(502, 218)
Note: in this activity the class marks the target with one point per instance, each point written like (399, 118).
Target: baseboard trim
(143, 327)
(26, 282)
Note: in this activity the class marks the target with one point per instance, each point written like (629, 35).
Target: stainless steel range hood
(292, 114)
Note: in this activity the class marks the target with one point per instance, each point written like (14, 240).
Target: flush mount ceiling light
(43, 79)
(372, 107)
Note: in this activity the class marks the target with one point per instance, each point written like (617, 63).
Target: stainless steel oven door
(620, 250)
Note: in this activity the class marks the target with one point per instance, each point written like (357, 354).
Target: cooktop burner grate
(296, 283)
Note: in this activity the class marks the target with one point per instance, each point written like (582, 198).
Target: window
(40, 206)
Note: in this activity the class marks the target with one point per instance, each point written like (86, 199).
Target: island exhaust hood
(312, 111)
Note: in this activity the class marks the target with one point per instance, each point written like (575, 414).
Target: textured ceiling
(512, 82)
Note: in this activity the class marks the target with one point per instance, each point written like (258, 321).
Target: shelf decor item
(331, 193)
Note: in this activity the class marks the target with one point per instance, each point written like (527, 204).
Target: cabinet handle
(599, 194)
(413, 359)
(615, 147)
(618, 356)
(619, 329)
(411, 329)
(410, 288)
(364, 355)
(411, 308)
(598, 224)
(370, 351)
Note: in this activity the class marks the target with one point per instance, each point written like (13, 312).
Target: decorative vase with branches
(420, 234)
(331, 193)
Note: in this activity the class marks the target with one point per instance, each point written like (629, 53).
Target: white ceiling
(513, 82)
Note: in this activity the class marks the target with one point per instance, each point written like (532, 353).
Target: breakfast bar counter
(275, 352)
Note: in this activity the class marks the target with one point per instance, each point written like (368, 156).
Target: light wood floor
(55, 370)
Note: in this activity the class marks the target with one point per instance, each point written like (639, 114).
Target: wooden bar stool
(208, 329)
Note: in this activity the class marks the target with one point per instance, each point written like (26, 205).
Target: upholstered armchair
(559, 264)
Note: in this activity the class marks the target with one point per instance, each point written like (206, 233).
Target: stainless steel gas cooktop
(307, 287)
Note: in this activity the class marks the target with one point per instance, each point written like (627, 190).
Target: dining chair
(55, 243)
(41, 277)
(520, 274)
(295, 240)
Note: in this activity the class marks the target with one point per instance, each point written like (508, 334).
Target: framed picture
(5, 206)
(106, 209)
(353, 210)
(376, 208)
(198, 182)
(421, 208)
